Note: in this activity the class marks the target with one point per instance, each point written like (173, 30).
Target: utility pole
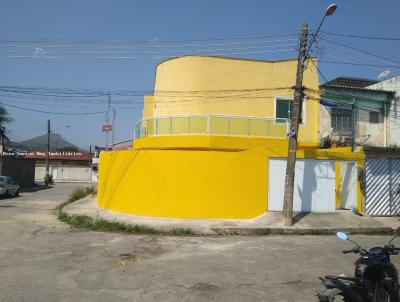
(112, 125)
(48, 148)
(107, 120)
(294, 128)
(353, 124)
(2, 140)
(90, 162)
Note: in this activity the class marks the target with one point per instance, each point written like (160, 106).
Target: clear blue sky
(164, 20)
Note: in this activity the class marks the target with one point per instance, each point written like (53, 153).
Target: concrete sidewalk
(268, 223)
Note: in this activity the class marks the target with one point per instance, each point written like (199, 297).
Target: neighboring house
(393, 117)
(360, 109)
(382, 196)
(212, 144)
(63, 166)
(377, 117)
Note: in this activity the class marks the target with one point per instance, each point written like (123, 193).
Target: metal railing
(212, 125)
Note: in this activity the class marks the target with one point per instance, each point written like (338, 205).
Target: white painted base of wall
(64, 173)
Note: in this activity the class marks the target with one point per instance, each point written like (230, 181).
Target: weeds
(86, 222)
(78, 193)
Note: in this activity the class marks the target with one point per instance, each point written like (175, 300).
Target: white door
(348, 185)
(314, 185)
(55, 174)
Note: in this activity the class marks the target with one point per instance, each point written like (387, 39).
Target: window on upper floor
(283, 109)
(374, 117)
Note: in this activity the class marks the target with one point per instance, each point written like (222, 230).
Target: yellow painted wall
(228, 86)
(196, 176)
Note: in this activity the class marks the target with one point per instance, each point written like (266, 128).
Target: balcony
(221, 125)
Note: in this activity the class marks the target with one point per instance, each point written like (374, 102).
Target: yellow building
(209, 133)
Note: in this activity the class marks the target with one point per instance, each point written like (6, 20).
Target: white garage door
(314, 185)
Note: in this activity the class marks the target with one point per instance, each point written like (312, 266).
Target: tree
(4, 118)
(68, 149)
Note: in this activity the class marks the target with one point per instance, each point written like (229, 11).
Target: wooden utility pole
(354, 125)
(48, 148)
(294, 128)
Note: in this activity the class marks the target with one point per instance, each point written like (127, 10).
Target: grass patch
(86, 222)
(181, 232)
(89, 223)
(77, 194)
(80, 193)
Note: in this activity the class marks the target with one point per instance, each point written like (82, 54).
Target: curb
(285, 231)
(223, 230)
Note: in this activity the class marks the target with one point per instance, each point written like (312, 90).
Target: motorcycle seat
(340, 278)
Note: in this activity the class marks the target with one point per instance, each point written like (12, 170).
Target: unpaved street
(42, 259)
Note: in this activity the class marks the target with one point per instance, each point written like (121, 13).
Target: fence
(212, 125)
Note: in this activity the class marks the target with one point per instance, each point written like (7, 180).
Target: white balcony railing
(212, 125)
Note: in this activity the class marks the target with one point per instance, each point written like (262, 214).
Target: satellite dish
(383, 75)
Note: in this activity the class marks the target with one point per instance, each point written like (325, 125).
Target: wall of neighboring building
(21, 170)
(368, 133)
(64, 173)
(393, 120)
(201, 85)
(325, 126)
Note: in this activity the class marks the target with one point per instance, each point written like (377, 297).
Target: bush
(80, 193)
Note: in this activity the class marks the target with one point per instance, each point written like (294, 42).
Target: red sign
(106, 128)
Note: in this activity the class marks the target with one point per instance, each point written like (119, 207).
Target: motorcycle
(375, 278)
(48, 180)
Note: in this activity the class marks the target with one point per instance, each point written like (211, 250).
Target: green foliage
(4, 116)
(78, 193)
(86, 222)
(71, 148)
(181, 232)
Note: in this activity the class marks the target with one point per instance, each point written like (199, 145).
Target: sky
(44, 23)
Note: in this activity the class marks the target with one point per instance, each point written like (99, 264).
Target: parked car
(8, 186)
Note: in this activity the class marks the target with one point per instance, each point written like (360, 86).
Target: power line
(349, 53)
(50, 112)
(361, 36)
(87, 52)
(359, 64)
(360, 50)
(106, 57)
(154, 40)
(95, 46)
(82, 93)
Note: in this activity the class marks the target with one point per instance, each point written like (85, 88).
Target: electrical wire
(360, 36)
(50, 112)
(360, 50)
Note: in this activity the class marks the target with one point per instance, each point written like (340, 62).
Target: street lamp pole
(48, 145)
(48, 148)
(296, 116)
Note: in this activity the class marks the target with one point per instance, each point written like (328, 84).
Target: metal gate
(382, 187)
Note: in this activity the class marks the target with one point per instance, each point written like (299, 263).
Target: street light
(66, 125)
(330, 10)
(297, 107)
(48, 145)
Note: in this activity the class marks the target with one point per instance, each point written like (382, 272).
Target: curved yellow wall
(195, 177)
(228, 86)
